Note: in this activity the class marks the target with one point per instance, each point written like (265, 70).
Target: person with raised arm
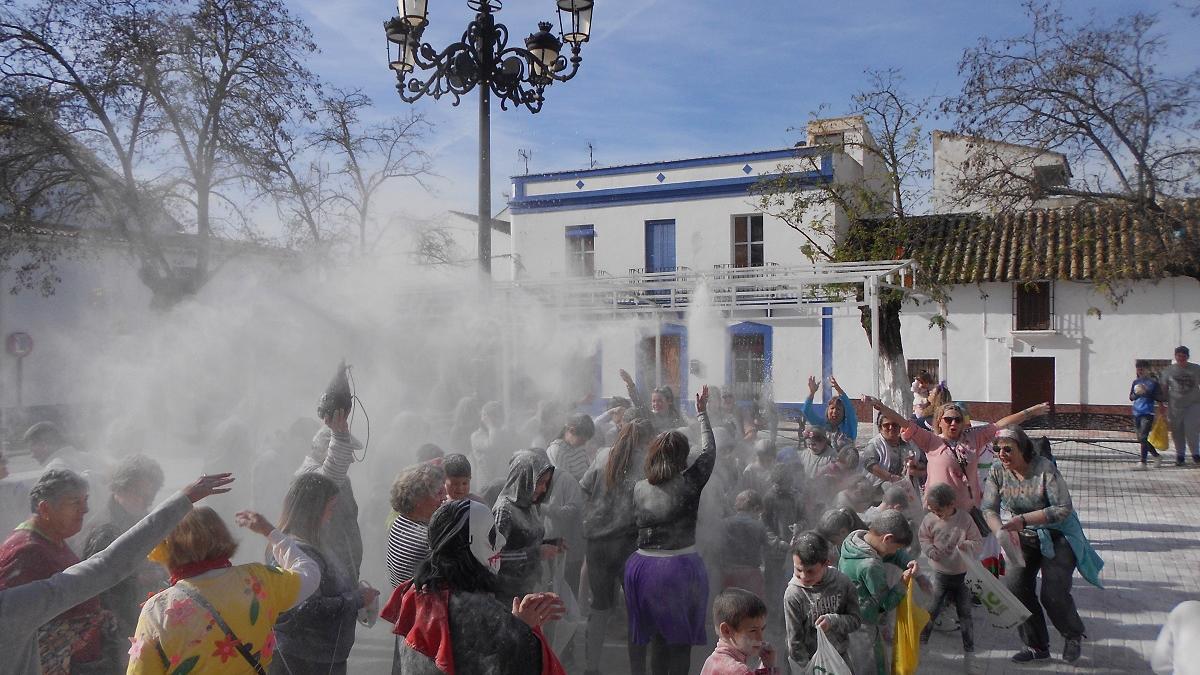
(217, 617)
(953, 453)
(666, 583)
(839, 420)
(663, 411)
(23, 609)
(332, 454)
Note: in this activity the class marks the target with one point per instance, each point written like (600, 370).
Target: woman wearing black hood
(447, 618)
(519, 521)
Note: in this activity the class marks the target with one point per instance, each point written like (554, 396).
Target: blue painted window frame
(750, 328)
(645, 378)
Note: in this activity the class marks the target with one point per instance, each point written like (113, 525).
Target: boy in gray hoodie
(818, 597)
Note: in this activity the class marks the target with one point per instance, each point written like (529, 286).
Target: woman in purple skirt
(666, 585)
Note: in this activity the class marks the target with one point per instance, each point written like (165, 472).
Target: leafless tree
(229, 63)
(291, 171)
(894, 158)
(370, 155)
(1100, 93)
(326, 181)
(77, 116)
(143, 109)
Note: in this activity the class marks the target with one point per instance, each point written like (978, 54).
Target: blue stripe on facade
(669, 165)
(666, 192)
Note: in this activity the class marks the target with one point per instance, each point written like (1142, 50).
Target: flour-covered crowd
(527, 548)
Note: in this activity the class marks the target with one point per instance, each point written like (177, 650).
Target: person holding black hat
(1183, 405)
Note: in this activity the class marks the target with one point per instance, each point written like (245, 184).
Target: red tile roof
(1084, 243)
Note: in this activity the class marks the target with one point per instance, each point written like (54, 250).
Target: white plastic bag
(368, 614)
(1004, 610)
(827, 660)
(561, 631)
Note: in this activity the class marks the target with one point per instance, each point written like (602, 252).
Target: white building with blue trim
(1019, 325)
(694, 218)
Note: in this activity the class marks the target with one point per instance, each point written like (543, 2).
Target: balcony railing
(779, 290)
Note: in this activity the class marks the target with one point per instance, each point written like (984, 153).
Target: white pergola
(766, 294)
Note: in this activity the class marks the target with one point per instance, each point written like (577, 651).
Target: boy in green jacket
(863, 557)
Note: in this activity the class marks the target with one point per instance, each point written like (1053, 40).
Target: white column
(873, 298)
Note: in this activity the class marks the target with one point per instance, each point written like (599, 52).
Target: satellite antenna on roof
(591, 155)
(525, 154)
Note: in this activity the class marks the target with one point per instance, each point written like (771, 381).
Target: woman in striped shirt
(416, 494)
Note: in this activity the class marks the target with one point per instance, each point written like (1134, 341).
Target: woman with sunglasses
(888, 459)
(1030, 487)
(953, 453)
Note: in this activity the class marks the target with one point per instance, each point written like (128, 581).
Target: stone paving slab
(1146, 526)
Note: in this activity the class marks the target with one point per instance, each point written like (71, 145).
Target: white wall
(1093, 354)
(703, 236)
(951, 154)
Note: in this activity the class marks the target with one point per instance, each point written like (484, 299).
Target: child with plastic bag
(865, 556)
(820, 604)
(944, 533)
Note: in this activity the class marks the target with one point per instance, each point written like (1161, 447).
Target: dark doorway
(1032, 381)
(673, 358)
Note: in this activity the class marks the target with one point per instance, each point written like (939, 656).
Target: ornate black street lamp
(516, 75)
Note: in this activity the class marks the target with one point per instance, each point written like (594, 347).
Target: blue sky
(666, 79)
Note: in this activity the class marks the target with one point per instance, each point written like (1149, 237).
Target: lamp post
(483, 59)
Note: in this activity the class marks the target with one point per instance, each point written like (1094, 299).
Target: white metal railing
(765, 293)
(781, 290)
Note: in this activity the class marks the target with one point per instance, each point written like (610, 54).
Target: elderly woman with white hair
(27, 607)
(416, 494)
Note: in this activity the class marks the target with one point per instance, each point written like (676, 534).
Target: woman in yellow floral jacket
(217, 618)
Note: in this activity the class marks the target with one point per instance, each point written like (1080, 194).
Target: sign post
(19, 345)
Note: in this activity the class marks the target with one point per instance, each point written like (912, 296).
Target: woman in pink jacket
(953, 453)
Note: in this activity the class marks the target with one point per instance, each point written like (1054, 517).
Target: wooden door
(1032, 381)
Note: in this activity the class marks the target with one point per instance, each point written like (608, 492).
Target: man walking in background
(1183, 405)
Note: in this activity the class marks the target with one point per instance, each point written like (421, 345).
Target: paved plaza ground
(1146, 526)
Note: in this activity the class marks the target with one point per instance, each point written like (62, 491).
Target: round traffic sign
(19, 344)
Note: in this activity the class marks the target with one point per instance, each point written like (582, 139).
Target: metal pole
(487, 28)
(21, 384)
(873, 287)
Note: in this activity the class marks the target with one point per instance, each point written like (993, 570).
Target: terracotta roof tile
(1082, 243)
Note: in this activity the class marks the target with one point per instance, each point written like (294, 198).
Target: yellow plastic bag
(910, 621)
(1158, 433)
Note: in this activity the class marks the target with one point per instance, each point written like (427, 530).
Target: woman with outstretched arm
(25, 608)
